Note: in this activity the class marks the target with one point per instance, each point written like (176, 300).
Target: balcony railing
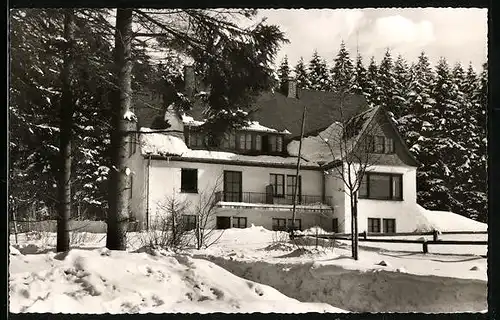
(266, 198)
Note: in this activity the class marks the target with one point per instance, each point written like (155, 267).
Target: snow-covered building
(250, 175)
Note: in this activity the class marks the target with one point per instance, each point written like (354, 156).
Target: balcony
(263, 200)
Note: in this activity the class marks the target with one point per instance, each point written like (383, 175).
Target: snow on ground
(448, 221)
(249, 244)
(384, 279)
(103, 281)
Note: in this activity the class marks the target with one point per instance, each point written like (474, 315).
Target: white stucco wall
(334, 187)
(137, 204)
(165, 181)
(405, 212)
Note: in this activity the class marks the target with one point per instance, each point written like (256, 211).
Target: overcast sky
(456, 34)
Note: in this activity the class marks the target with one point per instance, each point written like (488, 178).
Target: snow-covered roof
(252, 125)
(446, 221)
(164, 144)
(325, 146)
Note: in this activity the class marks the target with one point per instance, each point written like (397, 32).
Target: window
(290, 187)
(389, 225)
(374, 225)
(381, 186)
(246, 141)
(275, 143)
(277, 180)
(272, 143)
(297, 224)
(189, 180)
(258, 142)
(279, 144)
(239, 222)
(379, 144)
(196, 139)
(189, 221)
(279, 224)
(335, 225)
(229, 141)
(369, 144)
(389, 145)
(232, 186)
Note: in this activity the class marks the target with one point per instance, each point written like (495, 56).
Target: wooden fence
(363, 237)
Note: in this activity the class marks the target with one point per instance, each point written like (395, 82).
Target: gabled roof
(324, 145)
(322, 109)
(276, 110)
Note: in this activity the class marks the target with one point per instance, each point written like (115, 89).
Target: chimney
(189, 80)
(292, 88)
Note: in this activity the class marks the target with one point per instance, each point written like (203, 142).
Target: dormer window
(229, 141)
(196, 140)
(258, 142)
(275, 143)
(246, 141)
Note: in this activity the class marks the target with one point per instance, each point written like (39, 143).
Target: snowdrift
(447, 221)
(103, 281)
(364, 291)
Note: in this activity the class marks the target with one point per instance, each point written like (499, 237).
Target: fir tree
(402, 78)
(477, 196)
(283, 75)
(442, 157)
(360, 78)
(301, 75)
(387, 82)
(318, 73)
(372, 90)
(342, 73)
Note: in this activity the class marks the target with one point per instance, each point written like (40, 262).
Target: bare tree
(168, 229)
(205, 210)
(350, 143)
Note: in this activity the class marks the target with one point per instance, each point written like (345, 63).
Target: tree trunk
(118, 215)
(64, 188)
(353, 244)
(355, 222)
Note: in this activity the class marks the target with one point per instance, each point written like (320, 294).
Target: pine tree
(444, 154)
(234, 64)
(301, 75)
(37, 44)
(372, 90)
(360, 77)
(283, 75)
(342, 73)
(401, 91)
(318, 73)
(64, 186)
(465, 188)
(477, 196)
(387, 82)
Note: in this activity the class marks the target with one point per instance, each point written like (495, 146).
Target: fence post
(363, 234)
(425, 248)
(435, 235)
